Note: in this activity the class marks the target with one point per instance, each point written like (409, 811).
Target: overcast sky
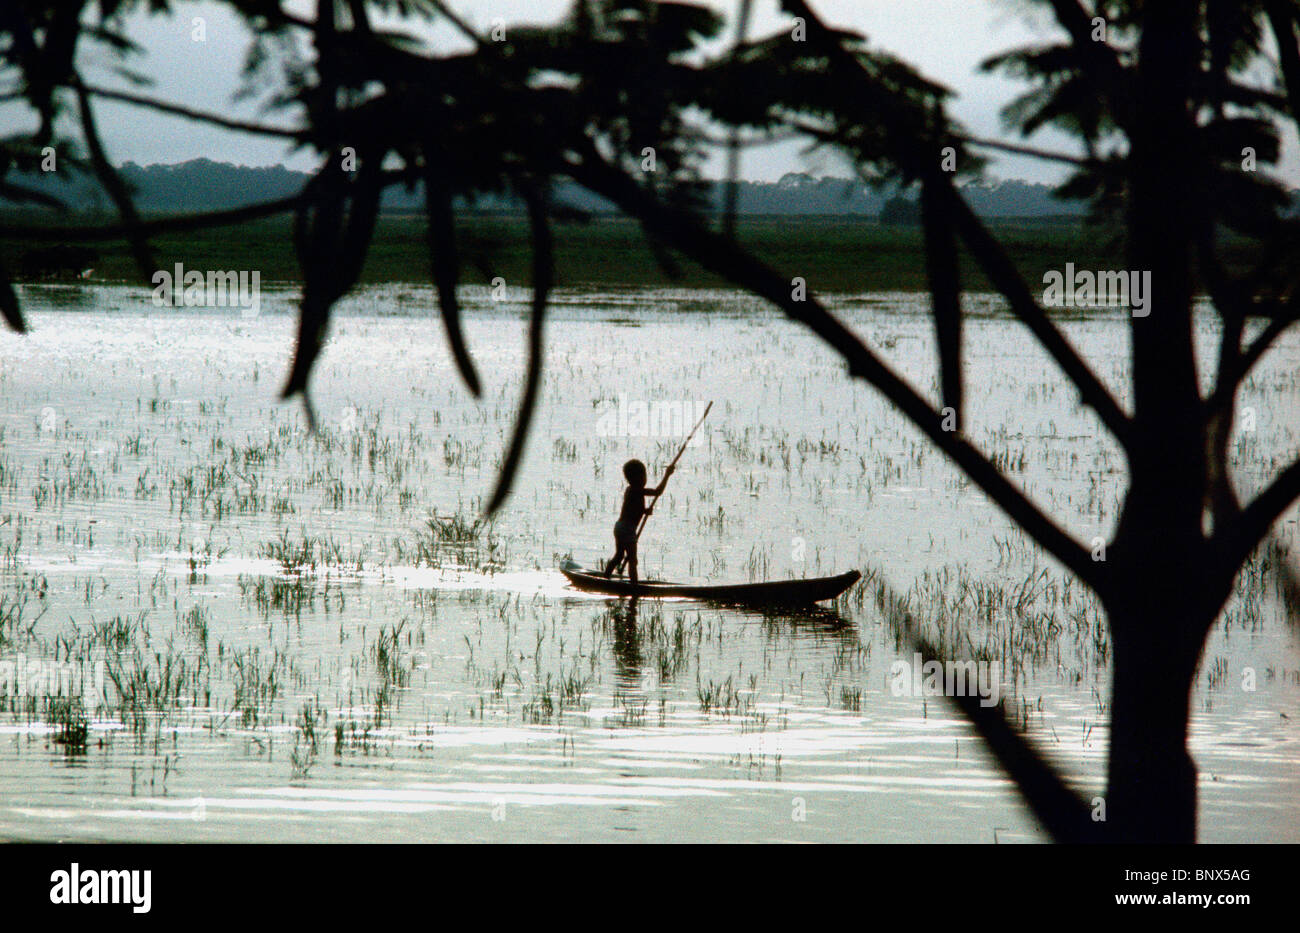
(945, 39)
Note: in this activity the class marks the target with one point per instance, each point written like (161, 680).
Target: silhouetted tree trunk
(1157, 623)
(1151, 780)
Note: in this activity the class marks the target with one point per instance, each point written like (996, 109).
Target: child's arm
(659, 490)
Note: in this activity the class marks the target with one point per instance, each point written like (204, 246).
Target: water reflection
(626, 644)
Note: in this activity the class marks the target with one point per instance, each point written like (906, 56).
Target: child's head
(634, 470)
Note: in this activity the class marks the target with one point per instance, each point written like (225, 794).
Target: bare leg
(613, 561)
(631, 564)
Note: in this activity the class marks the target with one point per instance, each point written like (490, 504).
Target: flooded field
(217, 625)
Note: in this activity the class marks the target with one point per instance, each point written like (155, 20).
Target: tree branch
(9, 308)
(1227, 382)
(1000, 269)
(1062, 812)
(1031, 151)
(543, 278)
(188, 113)
(116, 189)
(718, 254)
(1004, 275)
(1249, 527)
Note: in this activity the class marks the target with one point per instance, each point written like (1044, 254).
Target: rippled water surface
(306, 636)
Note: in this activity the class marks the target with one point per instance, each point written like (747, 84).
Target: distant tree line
(204, 184)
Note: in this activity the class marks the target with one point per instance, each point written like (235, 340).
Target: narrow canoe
(769, 593)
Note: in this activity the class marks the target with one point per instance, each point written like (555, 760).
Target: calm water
(291, 651)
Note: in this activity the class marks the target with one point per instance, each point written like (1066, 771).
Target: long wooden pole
(641, 525)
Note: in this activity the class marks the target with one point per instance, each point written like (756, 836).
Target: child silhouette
(633, 508)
